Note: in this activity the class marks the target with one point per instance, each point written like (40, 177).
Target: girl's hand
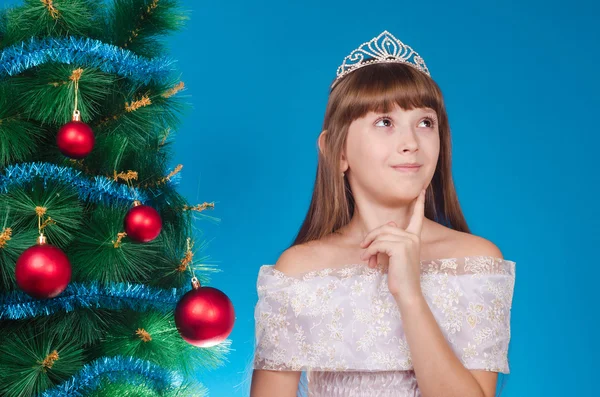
(404, 250)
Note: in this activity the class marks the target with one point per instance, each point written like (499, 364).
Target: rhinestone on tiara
(384, 48)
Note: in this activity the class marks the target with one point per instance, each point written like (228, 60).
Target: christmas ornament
(204, 316)
(75, 139)
(43, 270)
(142, 223)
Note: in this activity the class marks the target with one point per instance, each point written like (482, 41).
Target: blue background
(520, 82)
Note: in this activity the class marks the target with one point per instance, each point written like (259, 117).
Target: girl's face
(378, 143)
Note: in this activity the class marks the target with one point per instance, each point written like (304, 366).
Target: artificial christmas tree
(88, 103)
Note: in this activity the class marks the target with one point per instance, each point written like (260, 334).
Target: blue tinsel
(96, 189)
(117, 368)
(84, 51)
(17, 305)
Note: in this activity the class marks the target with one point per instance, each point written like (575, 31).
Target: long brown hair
(377, 87)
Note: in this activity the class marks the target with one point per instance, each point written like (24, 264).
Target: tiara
(384, 48)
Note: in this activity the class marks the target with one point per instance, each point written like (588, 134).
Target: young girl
(384, 292)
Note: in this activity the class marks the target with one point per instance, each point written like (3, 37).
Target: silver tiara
(384, 48)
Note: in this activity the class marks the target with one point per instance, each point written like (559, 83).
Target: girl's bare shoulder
(306, 257)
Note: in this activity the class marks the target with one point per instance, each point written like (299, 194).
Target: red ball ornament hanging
(43, 270)
(142, 223)
(204, 316)
(75, 139)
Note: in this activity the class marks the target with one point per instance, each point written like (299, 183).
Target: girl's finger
(416, 220)
(371, 235)
(389, 237)
(382, 246)
(383, 229)
(373, 261)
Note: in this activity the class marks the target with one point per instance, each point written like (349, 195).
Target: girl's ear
(321, 142)
(323, 150)
(343, 162)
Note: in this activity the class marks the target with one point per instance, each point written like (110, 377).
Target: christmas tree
(102, 292)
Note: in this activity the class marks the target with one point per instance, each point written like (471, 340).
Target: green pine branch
(180, 262)
(130, 131)
(90, 234)
(99, 253)
(153, 336)
(18, 136)
(47, 95)
(56, 201)
(12, 245)
(38, 18)
(137, 24)
(86, 325)
(33, 360)
(60, 206)
(3, 22)
(130, 121)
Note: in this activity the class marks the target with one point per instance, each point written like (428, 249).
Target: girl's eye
(385, 120)
(429, 120)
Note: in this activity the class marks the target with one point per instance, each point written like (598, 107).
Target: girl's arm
(438, 370)
(267, 383)
(274, 383)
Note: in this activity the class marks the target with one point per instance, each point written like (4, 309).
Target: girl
(384, 292)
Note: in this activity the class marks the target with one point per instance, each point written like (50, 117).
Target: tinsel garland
(128, 369)
(17, 305)
(97, 189)
(83, 51)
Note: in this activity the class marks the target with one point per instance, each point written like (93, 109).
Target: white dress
(343, 329)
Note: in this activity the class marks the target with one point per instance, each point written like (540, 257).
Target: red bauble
(204, 316)
(75, 139)
(43, 271)
(142, 223)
